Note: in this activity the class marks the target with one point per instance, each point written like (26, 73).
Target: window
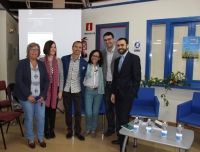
(164, 48)
(158, 50)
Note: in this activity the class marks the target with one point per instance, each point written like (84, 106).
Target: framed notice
(191, 47)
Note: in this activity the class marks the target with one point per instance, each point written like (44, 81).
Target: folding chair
(12, 99)
(4, 103)
(7, 117)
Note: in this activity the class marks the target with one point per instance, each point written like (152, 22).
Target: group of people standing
(113, 74)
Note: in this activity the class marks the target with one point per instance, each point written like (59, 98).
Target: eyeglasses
(109, 39)
(95, 56)
(122, 45)
(34, 50)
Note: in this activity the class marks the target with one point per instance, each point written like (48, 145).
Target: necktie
(120, 63)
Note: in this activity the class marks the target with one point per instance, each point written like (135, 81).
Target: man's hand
(60, 95)
(112, 98)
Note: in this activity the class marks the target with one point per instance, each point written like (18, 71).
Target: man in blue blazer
(74, 68)
(125, 84)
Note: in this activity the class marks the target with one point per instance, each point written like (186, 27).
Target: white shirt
(93, 81)
(109, 61)
(35, 80)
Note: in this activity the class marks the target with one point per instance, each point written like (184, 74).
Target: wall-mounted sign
(89, 33)
(137, 46)
(191, 47)
(89, 26)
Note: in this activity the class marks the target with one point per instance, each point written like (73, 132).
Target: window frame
(108, 26)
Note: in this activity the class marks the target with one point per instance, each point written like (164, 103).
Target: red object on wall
(89, 26)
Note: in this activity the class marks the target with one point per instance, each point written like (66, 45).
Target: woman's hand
(41, 99)
(60, 95)
(31, 98)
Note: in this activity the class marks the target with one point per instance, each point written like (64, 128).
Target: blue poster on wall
(191, 47)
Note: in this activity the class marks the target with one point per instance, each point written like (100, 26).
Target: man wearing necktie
(125, 84)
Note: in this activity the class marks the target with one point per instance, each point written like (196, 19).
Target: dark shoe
(79, 136)
(115, 142)
(31, 144)
(42, 143)
(69, 134)
(121, 149)
(52, 134)
(109, 133)
(47, 134)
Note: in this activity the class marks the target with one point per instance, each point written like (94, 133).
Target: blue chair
(147, 104)
(73, 111)
(82, 105)
(189, 112)
(102, 111)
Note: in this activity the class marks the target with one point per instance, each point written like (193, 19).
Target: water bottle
(149, 126)
(164, 130)
(179, 132)
(136, 125)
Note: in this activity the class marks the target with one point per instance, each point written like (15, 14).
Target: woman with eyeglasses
(94, 90)
(55, 73)
(31, 90)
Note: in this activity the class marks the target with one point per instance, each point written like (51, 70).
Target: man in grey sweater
(109, 56)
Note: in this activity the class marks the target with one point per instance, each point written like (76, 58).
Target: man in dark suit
(74, 68)
(125, 84)
(109, 55)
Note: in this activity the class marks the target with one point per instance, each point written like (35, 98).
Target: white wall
(7, 67)
(12, 38)
(137, 15)
(3, 63)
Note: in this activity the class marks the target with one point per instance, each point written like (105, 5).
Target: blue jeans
(92, 105)
(31, 109)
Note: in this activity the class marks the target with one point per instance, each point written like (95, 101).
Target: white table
(155, 136)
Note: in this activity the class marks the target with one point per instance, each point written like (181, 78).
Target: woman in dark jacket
(31, 90)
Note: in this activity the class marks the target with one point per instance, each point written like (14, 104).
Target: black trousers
(67, 102)
(50, 116)
(110, 107)
(123, 108)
